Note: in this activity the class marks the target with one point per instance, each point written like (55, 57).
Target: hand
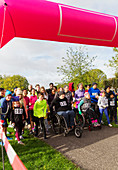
(13, 124)
(97, 97)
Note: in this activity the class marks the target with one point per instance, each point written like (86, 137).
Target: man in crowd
(6, 105)
(94, 95)
(68, 95)
(37, 87)
(62, 108)
(29, 90)
(49, 91)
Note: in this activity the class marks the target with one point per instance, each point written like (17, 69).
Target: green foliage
(77, 68)
(36, 154)
(95, 75)
(10, 82)
(113, 63)
(76, 64)
(112, 82)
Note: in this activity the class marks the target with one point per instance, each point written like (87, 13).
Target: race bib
(18, 111)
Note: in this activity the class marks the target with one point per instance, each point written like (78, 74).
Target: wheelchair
(84, 121)
(59, 126)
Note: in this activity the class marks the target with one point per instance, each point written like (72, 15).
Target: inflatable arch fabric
(45, 20)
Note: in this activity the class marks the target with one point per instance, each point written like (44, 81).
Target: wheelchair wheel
(80, 119)
(63, 126)
(78, 132)
(55, 123)
(65, 132)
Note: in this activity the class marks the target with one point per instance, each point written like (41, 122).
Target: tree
(10, 82)
(113, 63)
(95, 75)
(76, 64)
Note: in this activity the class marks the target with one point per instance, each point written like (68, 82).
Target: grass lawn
(105, 120)
(37, 155)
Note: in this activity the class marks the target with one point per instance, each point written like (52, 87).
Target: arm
(25, 107)
(99, 102)
(76, 96)
(91, 96)
(45, 108)
(51, 106)
(24, 113)
(79, 106)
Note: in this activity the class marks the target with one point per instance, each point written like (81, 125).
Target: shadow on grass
(36, 154)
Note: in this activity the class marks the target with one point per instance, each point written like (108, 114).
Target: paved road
(95, 150)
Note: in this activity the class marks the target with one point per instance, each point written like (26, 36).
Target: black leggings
(91, 114)
(42, 125)
(95, 108)
(113, 114)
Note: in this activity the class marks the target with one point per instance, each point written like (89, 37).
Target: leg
(101, 113)
(92, 114)
(37, 124)
(106, 114)
(65, 115)
(97, 110)
(71, 113)
(111, 114)
(31, 120)
(115, 114)
(17, 134)
(43, 127)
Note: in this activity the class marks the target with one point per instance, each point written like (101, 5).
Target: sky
(38, 60)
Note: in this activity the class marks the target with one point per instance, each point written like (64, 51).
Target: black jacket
(68, 95)
(60, 104)
(17, 116)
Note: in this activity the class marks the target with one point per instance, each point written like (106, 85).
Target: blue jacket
(93, 93)
(4, 106)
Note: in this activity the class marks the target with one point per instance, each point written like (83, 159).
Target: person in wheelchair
(62, 108)
(85, 108)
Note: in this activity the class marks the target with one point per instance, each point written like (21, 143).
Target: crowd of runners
(35, 105)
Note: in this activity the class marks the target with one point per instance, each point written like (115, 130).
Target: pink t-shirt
(32, 100)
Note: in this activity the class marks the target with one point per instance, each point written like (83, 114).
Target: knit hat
(8, 93)
(19, 91)
(61, 92)
(94, 83)
(80, 84)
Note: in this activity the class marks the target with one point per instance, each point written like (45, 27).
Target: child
(113, 108)
(85, 107)
(40, 108)
(17, 116)
(103, 105)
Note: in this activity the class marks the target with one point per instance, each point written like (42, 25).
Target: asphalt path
(95, 150)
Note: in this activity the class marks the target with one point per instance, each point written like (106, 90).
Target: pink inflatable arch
(44, 20)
